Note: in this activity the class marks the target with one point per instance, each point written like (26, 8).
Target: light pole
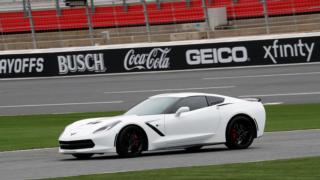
(5, 46)
(146, 17)
(93, 9)
(266, 16)
(58, 8)
(89, 20)
(33, 33)
(206, 16)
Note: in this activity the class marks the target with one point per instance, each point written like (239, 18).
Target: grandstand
(113, 22)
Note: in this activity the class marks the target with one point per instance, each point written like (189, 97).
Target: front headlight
(106, 127)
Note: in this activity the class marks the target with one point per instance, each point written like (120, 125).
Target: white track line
(60, 104)
(162, 90)
(261, 75)
(160, 72)
(285, 94)
(28, 150)
(273, 103)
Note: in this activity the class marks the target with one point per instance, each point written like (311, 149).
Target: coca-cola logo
(154, 60)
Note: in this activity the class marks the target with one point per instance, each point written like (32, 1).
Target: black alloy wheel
(131, 141)
(240, 133)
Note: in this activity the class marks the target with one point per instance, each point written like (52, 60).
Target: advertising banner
(162, 58)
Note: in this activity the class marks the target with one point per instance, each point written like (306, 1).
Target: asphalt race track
(281, 84)
(285, 84)
(48, 163)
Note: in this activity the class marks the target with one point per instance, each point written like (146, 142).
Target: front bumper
(80, 144)
(95, 150)
(99, 144)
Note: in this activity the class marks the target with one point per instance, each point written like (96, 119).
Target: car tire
(131, 141)
(240, 132)
(82, 156)
(193, 148)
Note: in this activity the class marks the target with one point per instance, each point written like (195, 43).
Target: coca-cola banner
(205, 54)
(155, 59)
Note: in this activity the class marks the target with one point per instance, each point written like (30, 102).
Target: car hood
(92, 124)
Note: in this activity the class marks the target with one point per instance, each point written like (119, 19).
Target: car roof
(184, 94)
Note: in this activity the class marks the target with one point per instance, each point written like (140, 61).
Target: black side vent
(155, 129)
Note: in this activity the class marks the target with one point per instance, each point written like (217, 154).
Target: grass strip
(289, 117)
(42, 131)
(38, 131)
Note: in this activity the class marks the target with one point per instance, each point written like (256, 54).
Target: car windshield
(152, 106)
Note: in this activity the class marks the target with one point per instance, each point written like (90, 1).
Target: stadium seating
(170, 12)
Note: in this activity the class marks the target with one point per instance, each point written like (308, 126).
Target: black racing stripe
(155, 129)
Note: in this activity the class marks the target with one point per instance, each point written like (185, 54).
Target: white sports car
(177, 120)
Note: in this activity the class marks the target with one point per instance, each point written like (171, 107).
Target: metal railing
(49, 23)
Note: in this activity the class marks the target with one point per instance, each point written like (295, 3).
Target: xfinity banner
(162, 58)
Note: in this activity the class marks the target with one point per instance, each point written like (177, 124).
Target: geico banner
(162, 58)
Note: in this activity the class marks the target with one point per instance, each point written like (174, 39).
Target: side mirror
(182, 110)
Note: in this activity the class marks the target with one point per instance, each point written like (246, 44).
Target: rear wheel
(82, 156)
(131, 141)
(240, 133)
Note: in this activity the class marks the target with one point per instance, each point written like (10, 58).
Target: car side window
(213, 100)
(194, 102)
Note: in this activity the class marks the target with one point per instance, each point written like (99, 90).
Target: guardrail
(144, 57)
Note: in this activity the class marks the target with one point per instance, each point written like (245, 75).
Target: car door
(194, 127)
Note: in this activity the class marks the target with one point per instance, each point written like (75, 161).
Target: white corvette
(178, 120)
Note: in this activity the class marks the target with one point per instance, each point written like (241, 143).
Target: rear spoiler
(252, 99)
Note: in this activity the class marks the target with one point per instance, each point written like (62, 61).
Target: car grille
(82, 144)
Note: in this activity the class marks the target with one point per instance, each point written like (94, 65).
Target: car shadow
(156, 153)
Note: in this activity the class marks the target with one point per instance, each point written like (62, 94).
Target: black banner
(162, 58)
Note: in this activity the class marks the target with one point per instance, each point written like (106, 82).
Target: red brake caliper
(135, 139)
(234, 134)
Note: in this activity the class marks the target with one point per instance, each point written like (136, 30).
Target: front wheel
(131, 141)
(240, 133)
